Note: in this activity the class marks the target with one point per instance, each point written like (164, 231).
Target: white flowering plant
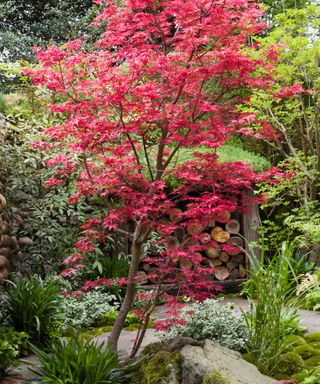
(82, 310)
(209, 320)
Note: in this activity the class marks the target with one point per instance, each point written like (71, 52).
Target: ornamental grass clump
(34, 306)
(77, 361)
(268, 295)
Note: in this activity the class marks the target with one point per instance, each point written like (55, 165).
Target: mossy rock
(313, 337)
(159, 367)
(306, 351)
(289, 363)
(315, 345)
(153, 348)
(171, 345)
(313, 361)
(293, 341)
(215, 378)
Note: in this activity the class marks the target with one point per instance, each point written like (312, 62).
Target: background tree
(162, 82)
(291, 106)
(275, 7)
(25, 24)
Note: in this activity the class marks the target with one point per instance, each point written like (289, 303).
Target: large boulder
(183, 360)
(211, 364)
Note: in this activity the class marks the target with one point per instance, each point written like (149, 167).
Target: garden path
(309, 319)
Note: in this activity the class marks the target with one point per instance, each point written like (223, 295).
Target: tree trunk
(136, 250)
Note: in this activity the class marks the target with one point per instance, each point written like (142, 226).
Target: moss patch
(315, 345)
(306, 351)
(293, 341)
(313, 361)
(289, 363)
(214, 378)
(247, 357)
(281, 376)
(159, 367)
(90, 333)
(313, 337)
(153, 348)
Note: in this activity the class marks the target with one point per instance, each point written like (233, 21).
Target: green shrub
(108, 318)
(289, 363)
(84, 310)
(132, 320)
(210, 320)
(306, 351)
(19, 340)
(12, 345)
(76, 360)
(32, 306)
(292, 322)
(312, 299)
(313, 337)
(7, 356)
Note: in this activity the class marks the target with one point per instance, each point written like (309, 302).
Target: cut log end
(224, 257)
(220, 235)
(221, 273)
(233, 226)
(212, 253)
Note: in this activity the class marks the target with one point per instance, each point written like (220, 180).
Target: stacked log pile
(11, 248)
(227, 257)
(8, 244)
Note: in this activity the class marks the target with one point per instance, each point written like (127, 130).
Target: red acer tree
(144, 113)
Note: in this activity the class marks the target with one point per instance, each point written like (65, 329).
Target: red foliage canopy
(146, 109)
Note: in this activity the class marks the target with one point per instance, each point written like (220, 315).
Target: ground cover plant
(83, 310)
(170, 85)
(300, 359)
(208, 320)
(13, 344)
